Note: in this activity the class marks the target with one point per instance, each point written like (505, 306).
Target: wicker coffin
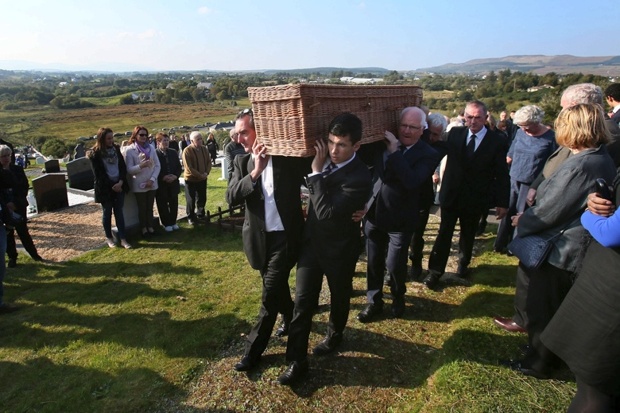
(288, 118)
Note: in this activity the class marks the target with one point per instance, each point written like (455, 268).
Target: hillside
(540, 64)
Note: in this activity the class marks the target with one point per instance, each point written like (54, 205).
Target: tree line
(501, 90)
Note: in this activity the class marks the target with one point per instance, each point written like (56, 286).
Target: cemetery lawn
(158, 328)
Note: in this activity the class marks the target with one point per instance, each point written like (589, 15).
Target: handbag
(532, 250)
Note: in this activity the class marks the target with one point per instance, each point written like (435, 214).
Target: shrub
(54, 147)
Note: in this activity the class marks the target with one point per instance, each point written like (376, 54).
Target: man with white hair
(393, 210)
(437, 125)
(197, 165)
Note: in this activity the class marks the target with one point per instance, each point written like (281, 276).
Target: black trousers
(417, 239)
(309, 279)
(520, 302)
(276, 297)
(145, 202)
(167, 198)
(24, 236)
(385, 250)
(468, 221)
(547, 288)
(196, 198)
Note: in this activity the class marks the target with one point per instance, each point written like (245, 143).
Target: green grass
(157, 329)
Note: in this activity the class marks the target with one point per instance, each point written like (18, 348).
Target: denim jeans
(2, 259)
(114, 204)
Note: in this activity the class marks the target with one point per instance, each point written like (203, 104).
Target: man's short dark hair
(478, 104)
(347, 124)
(613, 91)
(246, 112)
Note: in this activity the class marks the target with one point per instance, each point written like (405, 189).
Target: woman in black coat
(110, 184)
(19, 188)
(168, 188)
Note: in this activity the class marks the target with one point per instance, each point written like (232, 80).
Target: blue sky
(162, 35)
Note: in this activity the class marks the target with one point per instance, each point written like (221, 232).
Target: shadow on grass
(86, 389)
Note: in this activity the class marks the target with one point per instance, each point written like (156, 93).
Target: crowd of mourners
(554, 183)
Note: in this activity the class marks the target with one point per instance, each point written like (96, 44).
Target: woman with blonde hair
(560, 201)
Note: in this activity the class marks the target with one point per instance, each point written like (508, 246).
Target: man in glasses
(393, 210)
(476, 162)
(270, 187)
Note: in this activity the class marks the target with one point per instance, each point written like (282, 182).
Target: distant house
(360, 80)
(222, 126)
(204, 85)
(143, 97)
(537, 88)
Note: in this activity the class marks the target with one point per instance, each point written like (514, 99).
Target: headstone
(52, 166)
(40, 160)
(224, 168)
(50, 191)
(80, 174)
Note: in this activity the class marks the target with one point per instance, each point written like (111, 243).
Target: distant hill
(329, 70)
(540, 64)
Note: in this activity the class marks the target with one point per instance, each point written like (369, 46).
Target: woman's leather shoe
(509, 325)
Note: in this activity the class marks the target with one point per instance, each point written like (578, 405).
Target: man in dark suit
(612, 96)
(339, 185)
(475, 166)
(270, 188)
(393, 210)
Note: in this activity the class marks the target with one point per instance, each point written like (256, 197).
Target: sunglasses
(142, 134)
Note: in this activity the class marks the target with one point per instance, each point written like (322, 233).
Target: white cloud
(204, 10)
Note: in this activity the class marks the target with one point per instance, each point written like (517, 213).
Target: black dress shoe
(521, 367)
(7, 308)
(37, 257)
(462, 271)
(247, 363)
(398, 308)
(12, 263)
(282, 331)
(327, 346)
(295, 371)
(370, 312)
(415, 272)
(431, 280)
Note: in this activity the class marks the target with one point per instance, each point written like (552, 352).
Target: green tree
(54, 147)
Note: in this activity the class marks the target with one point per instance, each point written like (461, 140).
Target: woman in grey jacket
(559, 203)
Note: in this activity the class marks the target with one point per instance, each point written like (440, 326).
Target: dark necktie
(330, 168)
(471, 147)
(402, 148)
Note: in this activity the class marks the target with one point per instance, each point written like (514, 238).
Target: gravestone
(50, 191)
(80, 174)
(52, 166)
(40, 160)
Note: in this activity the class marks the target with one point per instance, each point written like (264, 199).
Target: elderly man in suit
(270, 187)
(339, 185)
(476, 162)
(393, 210)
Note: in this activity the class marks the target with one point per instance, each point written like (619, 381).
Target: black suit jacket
(333, 200)
(467, 184)
(397, 184)
(288, 176)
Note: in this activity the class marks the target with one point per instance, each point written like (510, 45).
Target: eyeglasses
(410, 127)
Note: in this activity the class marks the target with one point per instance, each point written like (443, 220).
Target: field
(24, 126)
